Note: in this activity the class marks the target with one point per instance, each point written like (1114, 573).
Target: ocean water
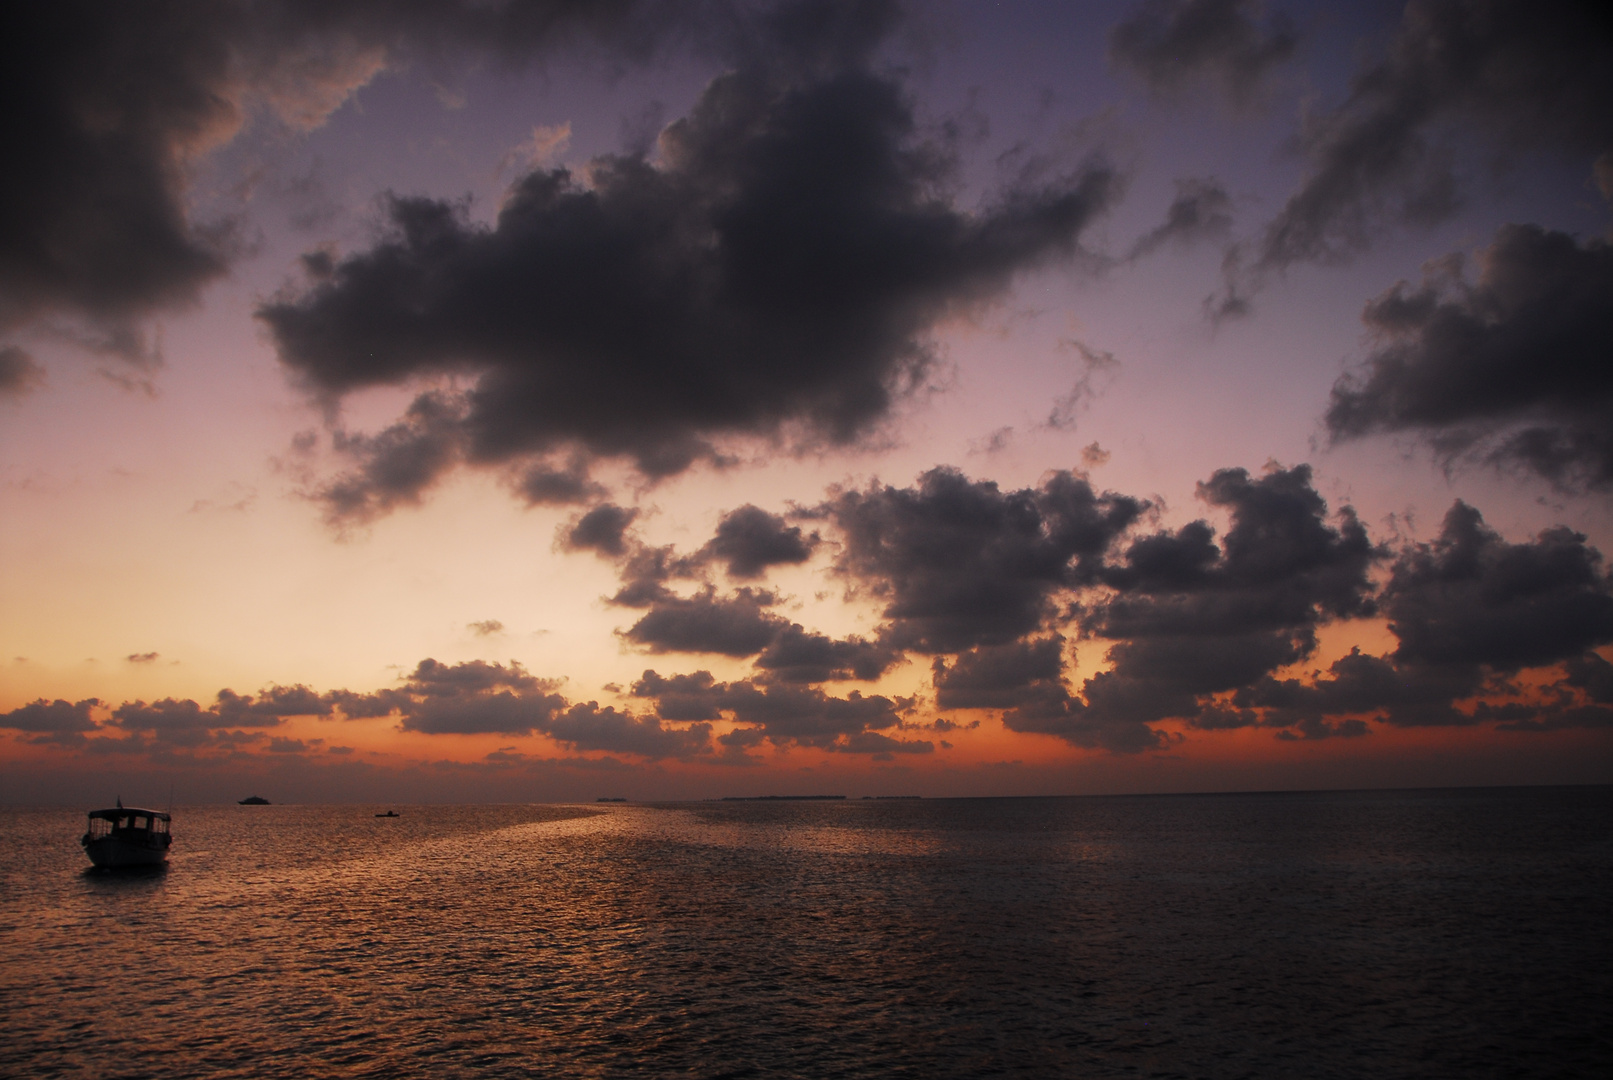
(1383, 934)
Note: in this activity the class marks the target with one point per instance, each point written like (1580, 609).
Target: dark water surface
(1381, 934)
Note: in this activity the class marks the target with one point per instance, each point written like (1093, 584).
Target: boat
(389, 813)
(127, 836)
(253, 800)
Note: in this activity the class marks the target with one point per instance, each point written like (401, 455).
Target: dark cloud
(142, 658)
(777, 268)
(602, 530)
(1593, 675)
(57, 718)
(1173, 43)
(589, 727)
(750, 540)
(1405, 695)
(542, 484)
(1472, 598)
(737, 625)
(797, 655)
(1523, 74)
(1469, 610)
(961, 563)
(269, 707)
(1002, 676)
(485, 627)
(785, 715)
(398, 464)
(1516, 368)
(1202, 210)
(110, 106)
(19, 372)
(1191, 618)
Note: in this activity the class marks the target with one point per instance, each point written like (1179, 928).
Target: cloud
(1202, 210)
(785, 715)
(1522, 75)
(20, 374)
(1470, 609)
(589, 727)
(543, 484)
(776, 269)
(142, 658)
(111, 105)
(602, 530)
(962, 563)
(1002, 676)
(1513, 369)
(1172, 44)
(1191, 618)
(749, 540)
(797, 655)
(269, 707)
(736, 625)
(485, 627)
(59, 719)
(396, 466)
(1472, 598)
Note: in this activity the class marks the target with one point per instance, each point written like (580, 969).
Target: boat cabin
(127, 823)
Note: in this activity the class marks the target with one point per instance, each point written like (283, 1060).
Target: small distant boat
(389, 813)
(253, 800)
(127, 836)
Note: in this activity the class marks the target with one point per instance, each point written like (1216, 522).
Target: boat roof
(125, 811)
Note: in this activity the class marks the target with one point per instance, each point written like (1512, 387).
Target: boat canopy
(126, 811)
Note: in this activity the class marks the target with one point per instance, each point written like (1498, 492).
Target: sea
(1445, 933)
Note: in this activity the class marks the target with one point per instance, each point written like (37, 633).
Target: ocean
(1454, 933)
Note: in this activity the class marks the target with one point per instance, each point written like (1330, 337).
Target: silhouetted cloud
(544, 484)
(111, 104)
(776, 268)
(798, 655)
(602, 530)
(1172, 43)
(1514, 368)
(737, 625)
(749, 540)
(397, 465)
(485, 627)
(57, 718)
(589, 727)
(1470, 609)
(1472, 598)
(269, 706)
(1593, 675)
(1190, 618)
(1002, 676)
(1202, 210)
(961, 563)
(785, 715)
(1523, 74)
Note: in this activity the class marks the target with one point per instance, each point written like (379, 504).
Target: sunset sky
(408, 402)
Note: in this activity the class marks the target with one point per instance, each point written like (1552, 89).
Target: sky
(500, 401)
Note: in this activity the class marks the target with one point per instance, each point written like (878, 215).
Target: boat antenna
(120, 802)
(170, 809)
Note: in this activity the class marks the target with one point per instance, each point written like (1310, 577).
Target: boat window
(139, 822)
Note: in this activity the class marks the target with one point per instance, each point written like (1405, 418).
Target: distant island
(254, 800)
(893, 796)
(610, 798)
(780, 798)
